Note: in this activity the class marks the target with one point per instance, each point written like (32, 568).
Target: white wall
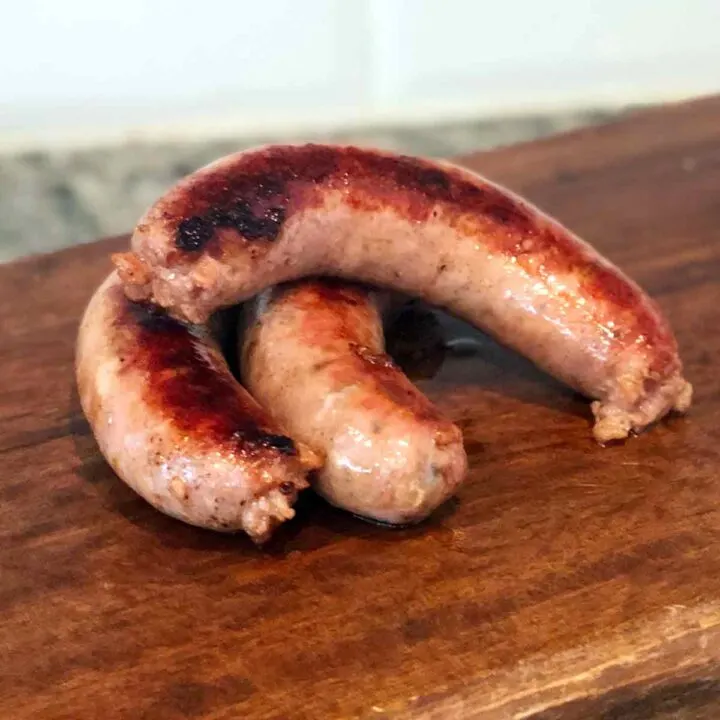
(96, 67)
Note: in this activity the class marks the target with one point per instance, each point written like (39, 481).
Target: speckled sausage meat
(428, 229)
(313, 352)
(176, 426)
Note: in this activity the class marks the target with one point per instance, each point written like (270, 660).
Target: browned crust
(187, 381)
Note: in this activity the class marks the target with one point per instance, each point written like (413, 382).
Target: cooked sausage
(176, 426)
(313, 352)
(428, 229)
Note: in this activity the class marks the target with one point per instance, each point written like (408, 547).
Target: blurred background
(103, 105)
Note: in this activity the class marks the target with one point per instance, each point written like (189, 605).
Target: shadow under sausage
(437, 350)
(318, 524)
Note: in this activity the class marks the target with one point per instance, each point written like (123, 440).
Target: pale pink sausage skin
(263, 217)
(313, 351)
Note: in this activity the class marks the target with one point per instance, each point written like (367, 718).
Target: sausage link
(176, 426)
(314, 353)
(428, 229)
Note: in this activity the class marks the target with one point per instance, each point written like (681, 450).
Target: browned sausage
(266, 216)
(313, 352)
(176, 426)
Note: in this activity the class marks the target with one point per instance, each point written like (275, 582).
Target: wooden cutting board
(565, 581)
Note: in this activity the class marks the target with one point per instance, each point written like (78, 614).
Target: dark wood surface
(566, 580)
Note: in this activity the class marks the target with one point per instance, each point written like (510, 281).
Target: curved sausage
(176, 426)
(314, 353)
(258, 218)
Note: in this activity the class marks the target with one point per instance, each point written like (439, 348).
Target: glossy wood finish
(566, 580)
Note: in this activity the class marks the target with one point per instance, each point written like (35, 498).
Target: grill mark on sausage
(195, 232)
(255, 199)
(183, 380)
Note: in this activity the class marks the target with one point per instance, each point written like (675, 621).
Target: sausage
(428, 229)
(176, 426)
(314, 352)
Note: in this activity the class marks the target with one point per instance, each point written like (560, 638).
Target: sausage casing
(176, 426)
(425, 228)
(313, 351)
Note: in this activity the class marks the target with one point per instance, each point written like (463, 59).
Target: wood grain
(565, 581)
